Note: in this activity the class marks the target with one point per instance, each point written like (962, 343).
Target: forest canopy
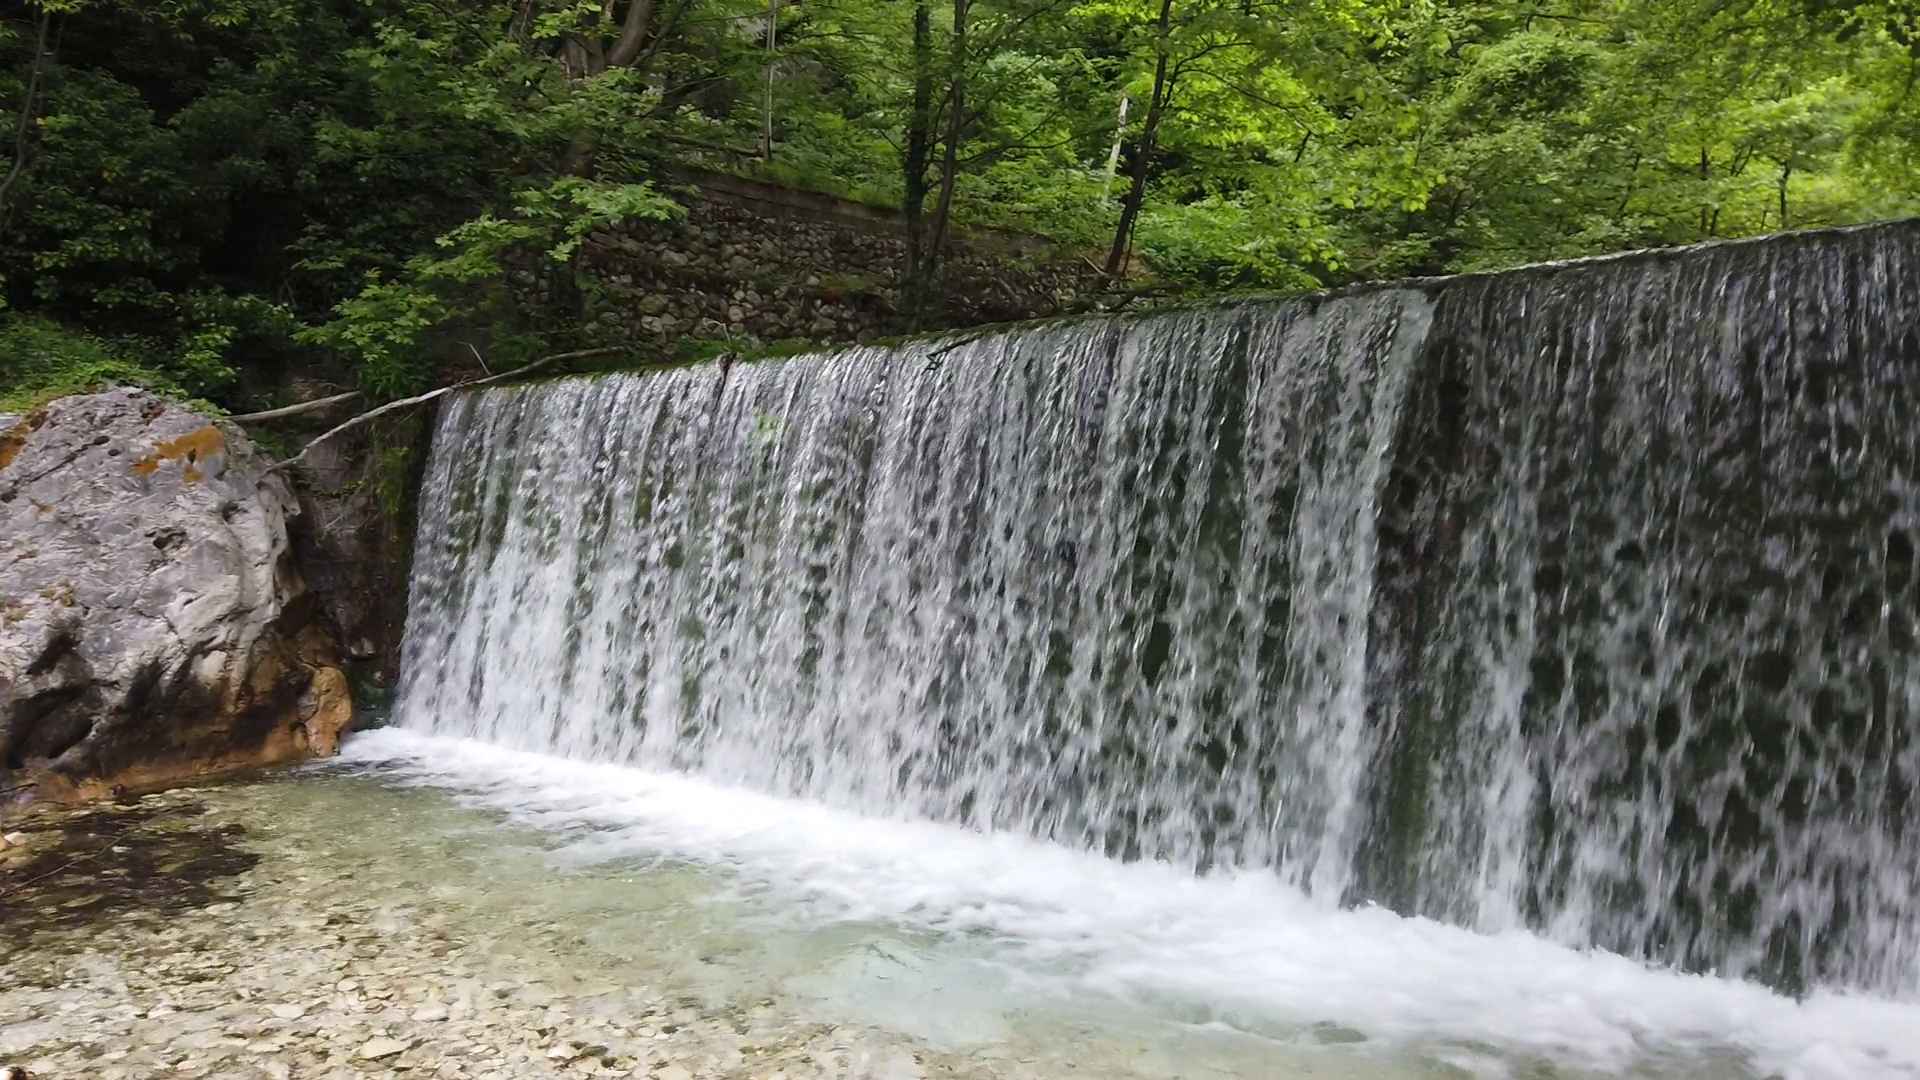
(191, 188)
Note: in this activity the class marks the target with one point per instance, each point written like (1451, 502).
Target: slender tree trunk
(918, 157)
(589, 57)
(1786, 174)
(407, 403)
(633, 34)
(29, 107)
(581, 150)
(950, 156)
(644, 63)
(773, 31)
(1706, 201)
(1633, 177)
(1143, 152)
(1119, 141)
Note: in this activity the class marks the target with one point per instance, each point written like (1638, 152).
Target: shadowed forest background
(210, 197)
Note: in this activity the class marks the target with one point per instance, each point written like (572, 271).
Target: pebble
(296, 969)
(376, 1049)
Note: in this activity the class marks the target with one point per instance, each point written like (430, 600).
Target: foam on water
(1241, 949)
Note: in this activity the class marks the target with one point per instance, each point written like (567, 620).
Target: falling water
(1579, 599)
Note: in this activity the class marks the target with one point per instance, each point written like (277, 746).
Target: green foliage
(390, 467)
(223, 189)
(249, 182)
(385, 325)
(41, 360)
(1578, 128)
(1222, 243)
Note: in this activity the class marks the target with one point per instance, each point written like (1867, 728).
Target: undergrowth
(41, 360)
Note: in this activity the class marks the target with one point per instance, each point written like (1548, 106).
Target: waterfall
(1578, 599)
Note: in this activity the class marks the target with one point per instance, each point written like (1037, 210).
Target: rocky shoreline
(158, 937)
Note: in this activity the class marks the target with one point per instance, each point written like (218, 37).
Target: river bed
(427, 908)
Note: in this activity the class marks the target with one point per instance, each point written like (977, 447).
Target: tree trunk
(1786, 174)
(918, 157)
(633, 34)
(590, 57)
(1706, 202)
(1143, 152)
(1119, 143)
(29, 106)
(408, 403)
(950, 157)
(773, 30)
(581, 150)
(302, 409)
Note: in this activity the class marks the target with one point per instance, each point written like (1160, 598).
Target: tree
(349, 188)
(1235, 91)
(917, 276)
(1149, 133)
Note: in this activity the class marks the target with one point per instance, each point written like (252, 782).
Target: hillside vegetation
(215, 197)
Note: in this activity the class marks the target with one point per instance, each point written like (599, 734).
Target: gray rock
(353, 538)
(152, 622)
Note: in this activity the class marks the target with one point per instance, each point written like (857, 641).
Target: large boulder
(153, 625)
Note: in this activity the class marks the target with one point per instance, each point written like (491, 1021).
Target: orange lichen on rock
(14, 439)
(192, 448)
